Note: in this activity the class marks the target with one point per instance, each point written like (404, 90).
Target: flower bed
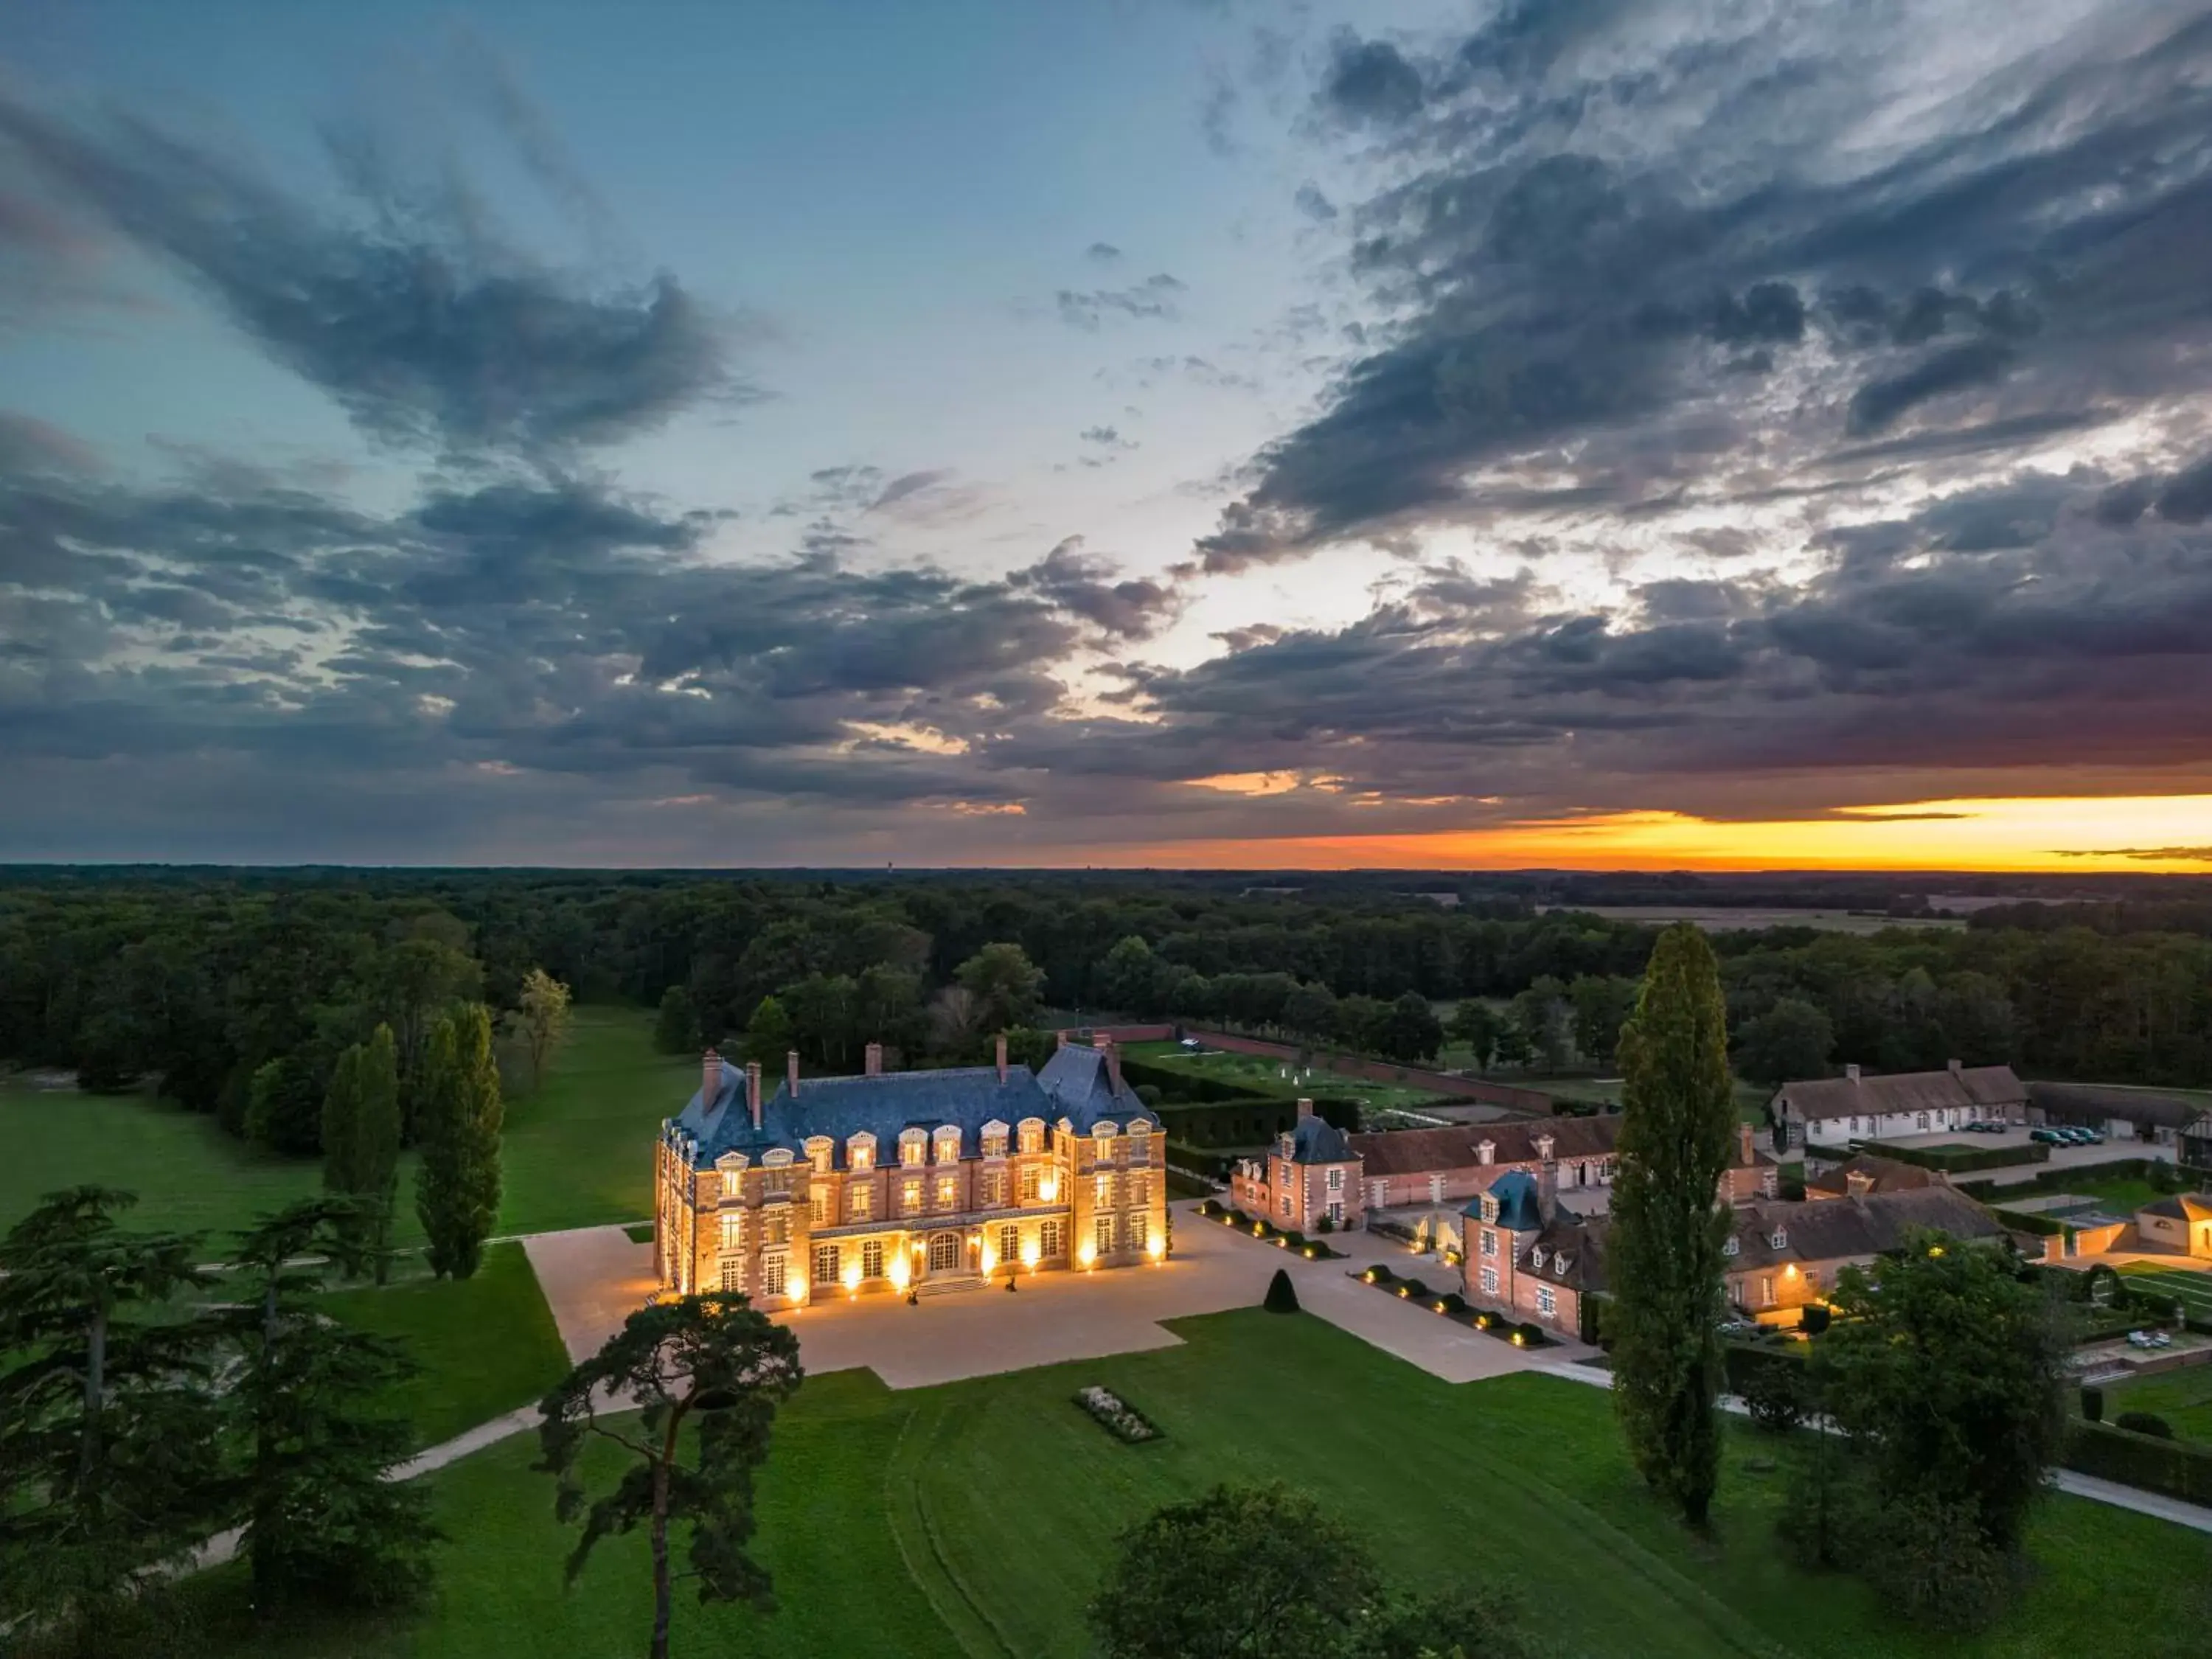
(1116, 1416)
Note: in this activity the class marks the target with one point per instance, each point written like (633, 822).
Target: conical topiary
(1281, 1298)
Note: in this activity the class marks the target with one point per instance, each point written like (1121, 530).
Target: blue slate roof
(1518, 1210)
(1073, 1085)
(1317, 1140)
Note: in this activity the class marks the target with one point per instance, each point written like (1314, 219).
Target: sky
(1633, 434)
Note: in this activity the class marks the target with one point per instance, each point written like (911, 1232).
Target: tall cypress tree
(342, 1126)
(1663, 1252)
(376, 1145)
(458, 1193)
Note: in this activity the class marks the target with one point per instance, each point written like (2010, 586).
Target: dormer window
(1559, 1263)
(1486, 1151)
(948, 1144)
(1490, 1206)
(914, 1147)
(1779, 1239)
(860, 1152)
(1105, 1131)
(1544, 1145)
(777, 1157)
(994, 1140)
(819, 1150)
(1536, 1257)
(1287, 1144)
(731, 1164)
(1730, 1246)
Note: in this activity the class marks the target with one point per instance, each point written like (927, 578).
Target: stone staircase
(949, 1284)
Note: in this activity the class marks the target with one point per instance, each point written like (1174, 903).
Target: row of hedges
(2030, 1221)
(1742, 1362)
(2177, 1469)
(1955, 1160)
(1288, 1239)
(1252, 1121)
(1452, 1305)
(2076, 1176)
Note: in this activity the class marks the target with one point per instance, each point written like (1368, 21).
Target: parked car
(2046, 1137)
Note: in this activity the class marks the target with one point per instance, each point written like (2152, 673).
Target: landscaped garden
(975, 1519)
(1267, 1074)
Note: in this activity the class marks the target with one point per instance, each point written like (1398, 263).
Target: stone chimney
(1002, 1058)
(791, 1071)
(1105, 1045)
(1955, 1068)
(1851, 1073)
(1305, 1108)
(1548, 1189)
(710, 1080)
(1743, 1153)
(1060, 1037)
(752, 1089)
(875, 1059)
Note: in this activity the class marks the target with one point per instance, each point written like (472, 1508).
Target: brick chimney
(1061, 1037)
(1002, 1057)
(1547, 1189)
(1113, 1060)
(710, 1080)
(1955, 1068)
(1743, 1153)
(752, 1089)
(791, 1071)
(875, 1059)
(1851, 1073)
(1305, 1108)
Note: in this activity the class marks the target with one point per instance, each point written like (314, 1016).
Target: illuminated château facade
(896, 1181)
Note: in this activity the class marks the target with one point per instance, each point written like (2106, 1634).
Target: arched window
(861, 1151)
(913, 1147)
(948, 1144)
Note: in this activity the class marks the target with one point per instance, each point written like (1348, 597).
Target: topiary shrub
(1813, 1319)
(1775, 1397)
(1451, 1301)
(1328, 1224)
(1209, 1207)
(2149, 1423)
(1527, 1335)
(2092, 1404)
(1378, 1274)
(1414, 1288)
(1282, 1297)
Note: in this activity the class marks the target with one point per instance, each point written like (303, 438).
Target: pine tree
(322, 1523)
(376, 1145)
(458, 1193)
(110, 1453)
(1663, 1251)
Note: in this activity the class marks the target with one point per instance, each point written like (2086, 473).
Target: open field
(1721, 917)
(486, 1345)
(975, 1519)
(1261, 1074)
(578, 1152)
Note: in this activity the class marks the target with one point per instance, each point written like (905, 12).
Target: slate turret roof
(1074, 1084)
(1519, 1208)
(1315, 1139)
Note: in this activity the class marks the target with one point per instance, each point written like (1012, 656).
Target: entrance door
(944, 1252)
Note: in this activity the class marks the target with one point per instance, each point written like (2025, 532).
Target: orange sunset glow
(2145, 833)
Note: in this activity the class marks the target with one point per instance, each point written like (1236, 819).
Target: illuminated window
(776, 1273)
(1010, 1243)
(909, 1196)
(913, 1147)
(1140, 1230)
(948, 1144)
(994, 1140)
(733, 1228)
(872, 1259)
(860, 1152)
(818, 1204)
(1032, 1134)
(1049, 1240)
(1767, 1291)
(948, 1191)
(829, 1263)
(1030, 1176)
(860, 1202)
(733, 1274)
(818, 1150)
(1104, 1231)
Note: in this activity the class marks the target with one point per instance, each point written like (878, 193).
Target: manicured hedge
(1953, 1160)
(2031, 1221)
(1741, 1359)
(2068, 1180)
(2179, 1468)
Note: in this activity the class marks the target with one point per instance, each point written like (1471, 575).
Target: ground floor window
(1286, 1203)
(944, 1252)
(733, 1274)
(1767, 1291)
(1104, 1232)
(1336, 1210)
(828, 1262)
(1546, 1303)
(1140, 1230)
(872, 1259)
(775, 1273)
(1049, 1242)
(1010, 1243)
(1490, 1281)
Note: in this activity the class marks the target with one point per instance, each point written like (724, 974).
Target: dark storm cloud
(1104, 253)
(1090, 588)
(2016, 628)
(427, 330)
(1597, 224)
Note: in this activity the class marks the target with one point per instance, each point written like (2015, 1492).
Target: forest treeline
(238, 991)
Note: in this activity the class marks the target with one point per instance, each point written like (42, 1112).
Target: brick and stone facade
(1310, 1174)
(892, 1181)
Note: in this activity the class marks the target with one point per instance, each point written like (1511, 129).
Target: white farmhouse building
(1831, 1111)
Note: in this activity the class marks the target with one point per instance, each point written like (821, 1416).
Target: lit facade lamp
(1048, 1189)
(852, 1279)
(794, 1286)
(987, 1259)
(1032, 1255)
(1157, 1248)
(1086, 1255)
(901, 1273)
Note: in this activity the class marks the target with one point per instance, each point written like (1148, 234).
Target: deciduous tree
(1790, 1042)
(1663, 1252)
(1007, 985)
(543, 1019)
(707, 1374)
(676, 1028)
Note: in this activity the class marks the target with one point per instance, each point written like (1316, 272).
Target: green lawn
(1261, 1074)
(2194, 1289)
(486, 1345)
(578, 1152)
(2122, 1196)
(977, 1518)
(2183, 1398)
